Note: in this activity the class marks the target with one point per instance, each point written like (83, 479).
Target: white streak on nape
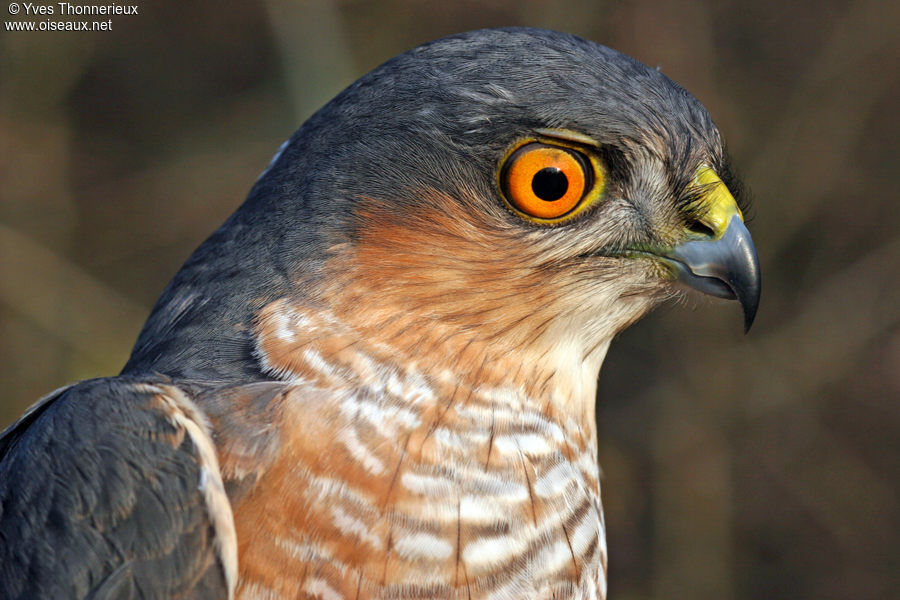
(371, 463)
(350, 525)
(528, 443)
(555, 481)
(491, 95)
(478, 510)
(585, 532)
(422, 546)
(274, 159)
(427, 485)
(484, 553)
(500, 91)
(319, 588)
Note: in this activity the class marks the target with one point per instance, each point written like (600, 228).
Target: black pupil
(549, 184)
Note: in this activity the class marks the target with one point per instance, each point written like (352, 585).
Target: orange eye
(544, 181)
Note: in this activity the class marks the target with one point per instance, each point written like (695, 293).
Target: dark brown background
(764, 466)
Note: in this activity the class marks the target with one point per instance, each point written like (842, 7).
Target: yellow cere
(718, 202)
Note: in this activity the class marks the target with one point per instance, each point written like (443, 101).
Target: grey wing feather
(107, 490)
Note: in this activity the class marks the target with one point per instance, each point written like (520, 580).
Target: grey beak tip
(727, 267)
(745, 277)
(749, 316)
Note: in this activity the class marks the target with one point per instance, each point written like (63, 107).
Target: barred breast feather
(371, 479)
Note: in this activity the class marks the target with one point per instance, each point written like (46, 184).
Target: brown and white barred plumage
(390, 483)
(426, 461)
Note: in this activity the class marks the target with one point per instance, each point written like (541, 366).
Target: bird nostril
(700, 228)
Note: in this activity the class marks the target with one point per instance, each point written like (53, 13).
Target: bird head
(516, 190)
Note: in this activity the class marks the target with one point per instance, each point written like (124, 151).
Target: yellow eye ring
(548, 183)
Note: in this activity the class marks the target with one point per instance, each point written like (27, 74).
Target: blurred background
(736, 467)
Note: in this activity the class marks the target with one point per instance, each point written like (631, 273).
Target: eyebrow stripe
(568, 135)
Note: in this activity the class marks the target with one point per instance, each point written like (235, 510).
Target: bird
(377, 378)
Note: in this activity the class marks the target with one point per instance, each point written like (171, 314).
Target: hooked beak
(727, 267)
(724, 263)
